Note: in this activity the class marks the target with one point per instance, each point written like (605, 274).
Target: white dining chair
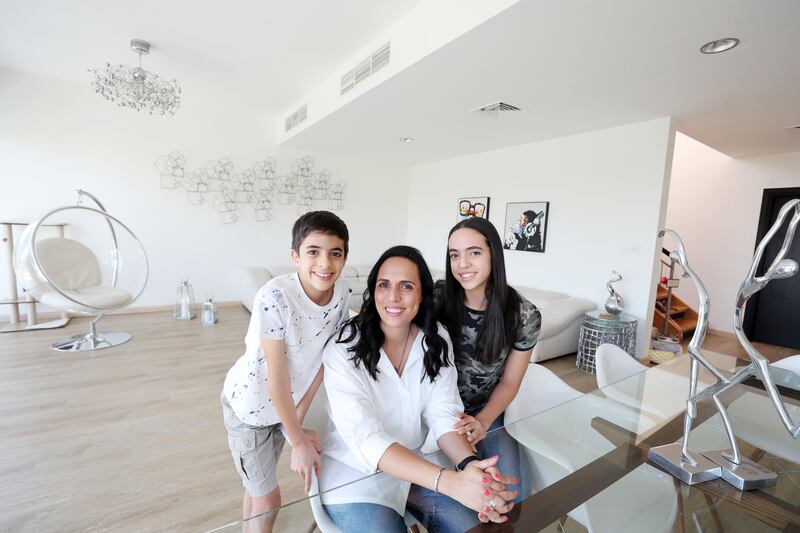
(791, 363)
(317, 420)
(560, 440)
(540, 390)
(615, 364)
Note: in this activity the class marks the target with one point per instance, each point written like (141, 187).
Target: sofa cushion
(252, 279)
(362, 271)
(437, 274)
(350, 272)
(539, 297)
(280, 270)
(560, 314)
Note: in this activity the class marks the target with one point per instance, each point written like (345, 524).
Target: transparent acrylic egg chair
(103, 267)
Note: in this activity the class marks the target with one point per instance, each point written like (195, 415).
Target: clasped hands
(483, 488)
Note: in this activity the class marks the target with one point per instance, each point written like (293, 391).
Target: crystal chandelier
(135, 87)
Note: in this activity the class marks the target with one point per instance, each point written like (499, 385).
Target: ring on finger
(492, 505)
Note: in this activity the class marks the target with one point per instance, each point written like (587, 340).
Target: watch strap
(465, 461)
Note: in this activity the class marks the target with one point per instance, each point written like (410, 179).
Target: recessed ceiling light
(720, 45)
(406, 139)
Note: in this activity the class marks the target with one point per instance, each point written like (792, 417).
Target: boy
(273, 383)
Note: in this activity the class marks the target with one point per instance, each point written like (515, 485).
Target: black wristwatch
(465, 461)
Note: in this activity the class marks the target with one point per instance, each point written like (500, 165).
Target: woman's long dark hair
(498, 330)
(365, 327)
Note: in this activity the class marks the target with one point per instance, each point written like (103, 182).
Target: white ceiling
(584, 65)
(573, 66)
(265, 53)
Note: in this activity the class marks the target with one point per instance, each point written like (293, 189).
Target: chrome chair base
(92, 341)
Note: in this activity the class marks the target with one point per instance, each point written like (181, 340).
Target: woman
(391, 386)
(494, 330)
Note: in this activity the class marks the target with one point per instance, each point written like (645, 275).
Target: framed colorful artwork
(526, 226)
(474, 206)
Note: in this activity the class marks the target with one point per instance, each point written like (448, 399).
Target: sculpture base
(670, 458)
(747, 475)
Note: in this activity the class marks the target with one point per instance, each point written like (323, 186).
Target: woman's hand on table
(482, 488)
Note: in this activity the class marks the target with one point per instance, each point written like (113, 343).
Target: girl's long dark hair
(498, 330)
(365, 327)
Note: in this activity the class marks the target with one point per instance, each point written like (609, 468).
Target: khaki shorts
(255, 451)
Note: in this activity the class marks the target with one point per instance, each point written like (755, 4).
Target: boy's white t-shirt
(283, 311)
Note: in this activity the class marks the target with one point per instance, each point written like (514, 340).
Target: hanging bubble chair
(103, 267)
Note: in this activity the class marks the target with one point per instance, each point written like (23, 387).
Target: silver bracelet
(436, 481)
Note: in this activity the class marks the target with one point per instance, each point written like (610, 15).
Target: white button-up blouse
(369, 415)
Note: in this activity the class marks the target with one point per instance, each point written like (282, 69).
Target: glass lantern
(184, 301)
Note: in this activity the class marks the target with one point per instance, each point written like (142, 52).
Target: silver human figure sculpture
(678, 459)
(740, 472)
(780, 268)
(736, 470)
(615, 304)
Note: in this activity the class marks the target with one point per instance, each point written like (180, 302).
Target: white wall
(605, 190)
(714, 205)
(57, 136)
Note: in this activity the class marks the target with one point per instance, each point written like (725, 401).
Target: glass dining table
(589, 471)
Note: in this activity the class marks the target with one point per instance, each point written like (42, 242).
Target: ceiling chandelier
(135, 87)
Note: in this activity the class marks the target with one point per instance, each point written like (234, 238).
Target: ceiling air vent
(499, 109)
(297, 117)
(365, 68)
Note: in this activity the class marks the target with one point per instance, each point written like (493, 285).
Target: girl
(494, 330)
(391, 385)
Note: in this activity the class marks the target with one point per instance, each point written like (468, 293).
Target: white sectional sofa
(562, 314)
(253, 278)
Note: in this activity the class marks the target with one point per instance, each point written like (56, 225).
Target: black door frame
(764, 224)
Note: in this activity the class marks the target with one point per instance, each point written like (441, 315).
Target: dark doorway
(773, 315)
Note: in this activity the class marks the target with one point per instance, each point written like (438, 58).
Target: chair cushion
(98, 297)
(68, 264)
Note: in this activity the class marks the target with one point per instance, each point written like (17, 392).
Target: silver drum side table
(597, 330)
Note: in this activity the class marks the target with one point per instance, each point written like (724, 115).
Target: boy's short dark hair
(321, 222)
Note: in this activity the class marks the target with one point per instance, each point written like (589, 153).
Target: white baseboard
(722, 333)
(134, 310)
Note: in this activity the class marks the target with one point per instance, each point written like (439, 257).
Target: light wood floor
(131, 438)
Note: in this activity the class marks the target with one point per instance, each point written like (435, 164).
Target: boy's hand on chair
(313, 438)
(305, 459)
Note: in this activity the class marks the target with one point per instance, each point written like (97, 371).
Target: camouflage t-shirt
(477, 380)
